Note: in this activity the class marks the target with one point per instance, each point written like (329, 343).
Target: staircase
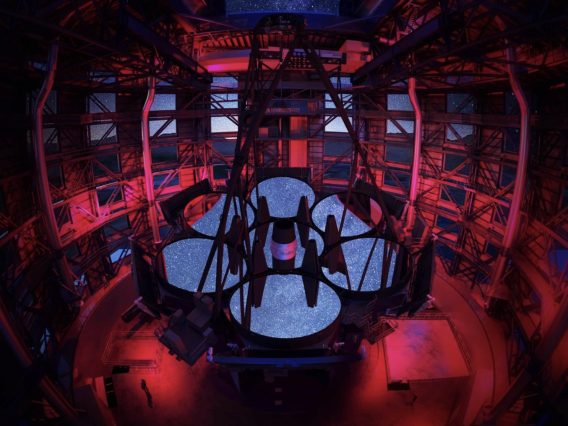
(381, 329)
(375, 330)
(510, 418)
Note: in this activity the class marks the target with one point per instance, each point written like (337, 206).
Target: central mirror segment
(283, 245)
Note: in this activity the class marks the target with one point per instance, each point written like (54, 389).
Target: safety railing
(136, 365)
(459, 340)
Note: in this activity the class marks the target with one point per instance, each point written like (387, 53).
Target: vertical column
(552, 337)
(415, 177)
(9, 331)
(514, 218)
(147, 157)
(41, 169)
(280, 156)
(559, 324)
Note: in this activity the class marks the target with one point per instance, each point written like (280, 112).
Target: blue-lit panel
(316, 6)
(284, 312)
(356, 253)
(185, 261)
(208, 224)
(283, 195)
(333, 206)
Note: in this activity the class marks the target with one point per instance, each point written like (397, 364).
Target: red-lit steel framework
(448, 49)
(261, 84)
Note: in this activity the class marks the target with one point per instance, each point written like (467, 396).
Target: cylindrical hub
(283, 245)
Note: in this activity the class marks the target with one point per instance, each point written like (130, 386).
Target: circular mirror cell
(300, 251)
(185, 261)
(284, 312)
(283, 195)
(360, 207)
(208, 224)
(356, 253)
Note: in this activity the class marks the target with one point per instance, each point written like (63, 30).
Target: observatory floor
(424, 350)
(181, 394)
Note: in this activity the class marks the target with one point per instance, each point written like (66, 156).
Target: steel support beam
(94, 48)
(551, 338)
(249, 122)
(169, 49)
(514, 218)
(449, 27)
(416, 156)
(376, 8)
(41, 170)
(147, 158)
(46, 386)
(314, 59)
(422, 34)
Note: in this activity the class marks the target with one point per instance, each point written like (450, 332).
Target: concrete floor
(96, 331)
(483, 336)
(124, 349)
(181, 394)
(424, 350)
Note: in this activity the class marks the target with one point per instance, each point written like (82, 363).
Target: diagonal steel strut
(318, 66)
(249, 122)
